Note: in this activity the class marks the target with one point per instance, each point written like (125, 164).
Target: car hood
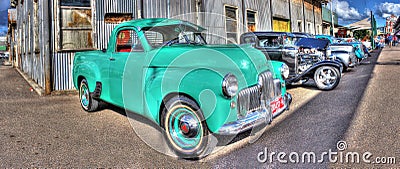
(319, 44)
(241, 60)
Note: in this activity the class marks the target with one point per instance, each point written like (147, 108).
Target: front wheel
(185, 129)
(327, 77)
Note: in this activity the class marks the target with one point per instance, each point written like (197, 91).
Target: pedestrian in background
(390, 40)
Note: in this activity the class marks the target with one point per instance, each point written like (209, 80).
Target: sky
(348, 11)
(4, 5)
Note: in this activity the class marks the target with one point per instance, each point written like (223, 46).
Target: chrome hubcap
(327, 77)
(184, 129)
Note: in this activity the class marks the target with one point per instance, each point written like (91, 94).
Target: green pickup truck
(164, 70)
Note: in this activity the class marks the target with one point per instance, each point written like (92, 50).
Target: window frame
(60, 28)
(131, 32)
(236, 20)
(255, 12)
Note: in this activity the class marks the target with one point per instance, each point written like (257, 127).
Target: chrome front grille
(258, 96)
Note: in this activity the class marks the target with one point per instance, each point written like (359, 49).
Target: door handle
(112, 59)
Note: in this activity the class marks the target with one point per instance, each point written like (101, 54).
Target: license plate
(277, 105)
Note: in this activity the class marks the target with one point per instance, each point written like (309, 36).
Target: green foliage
(360, 34)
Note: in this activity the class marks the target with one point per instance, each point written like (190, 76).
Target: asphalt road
(54, 131)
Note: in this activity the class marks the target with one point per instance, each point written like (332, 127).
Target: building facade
(390, 22)
(47, 34)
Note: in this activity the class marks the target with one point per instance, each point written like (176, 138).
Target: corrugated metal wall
(280, 9)
(62, 61)
(309, 16)
(263, 14)
(32, 62)
(212, 18)
(318, 17)
(155, 8)
(102, 30)
(184, 10)
(297, 15)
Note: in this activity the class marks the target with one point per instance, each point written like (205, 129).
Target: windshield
(275, 41)
(173, 34)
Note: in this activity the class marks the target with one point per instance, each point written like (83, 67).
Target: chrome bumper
(253, 119)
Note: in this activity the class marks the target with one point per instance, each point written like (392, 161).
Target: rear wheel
(185, 129)
(327, 77)
(87, 102)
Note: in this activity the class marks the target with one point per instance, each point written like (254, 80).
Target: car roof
(155, 22)
(267, 33)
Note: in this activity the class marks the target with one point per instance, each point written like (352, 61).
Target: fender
(203, 85)
(310, 71)
(89, 71)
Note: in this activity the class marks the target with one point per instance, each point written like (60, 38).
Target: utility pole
(373, 30)
(332, 19)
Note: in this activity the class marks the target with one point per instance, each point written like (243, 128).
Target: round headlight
(230, 85)
(284, 71)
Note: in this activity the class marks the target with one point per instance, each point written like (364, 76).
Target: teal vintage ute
(164, 70)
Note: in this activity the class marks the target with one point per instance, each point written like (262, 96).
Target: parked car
(311, 59)
(299, 35)
(276, 43)
(328, 37)
(345, 53)
(164, 70)
(361, 51)
(302, 35)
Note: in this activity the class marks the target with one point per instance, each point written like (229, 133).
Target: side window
(155, 39)
(128, 41)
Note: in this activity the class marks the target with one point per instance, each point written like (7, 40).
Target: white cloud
(386, 9)
(345, 12)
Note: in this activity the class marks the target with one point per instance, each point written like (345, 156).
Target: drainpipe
(141, 15)
(304, 18)
(244, 16)
(168, 8)
(290, 16)
(313, 11)
(46, 46)
(272, 15)
(333, 22)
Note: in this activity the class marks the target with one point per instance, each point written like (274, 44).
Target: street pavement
(54, 131)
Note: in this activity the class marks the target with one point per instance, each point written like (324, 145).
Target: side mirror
(104, 50)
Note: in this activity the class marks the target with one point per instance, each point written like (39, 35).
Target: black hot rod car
(307, 58)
